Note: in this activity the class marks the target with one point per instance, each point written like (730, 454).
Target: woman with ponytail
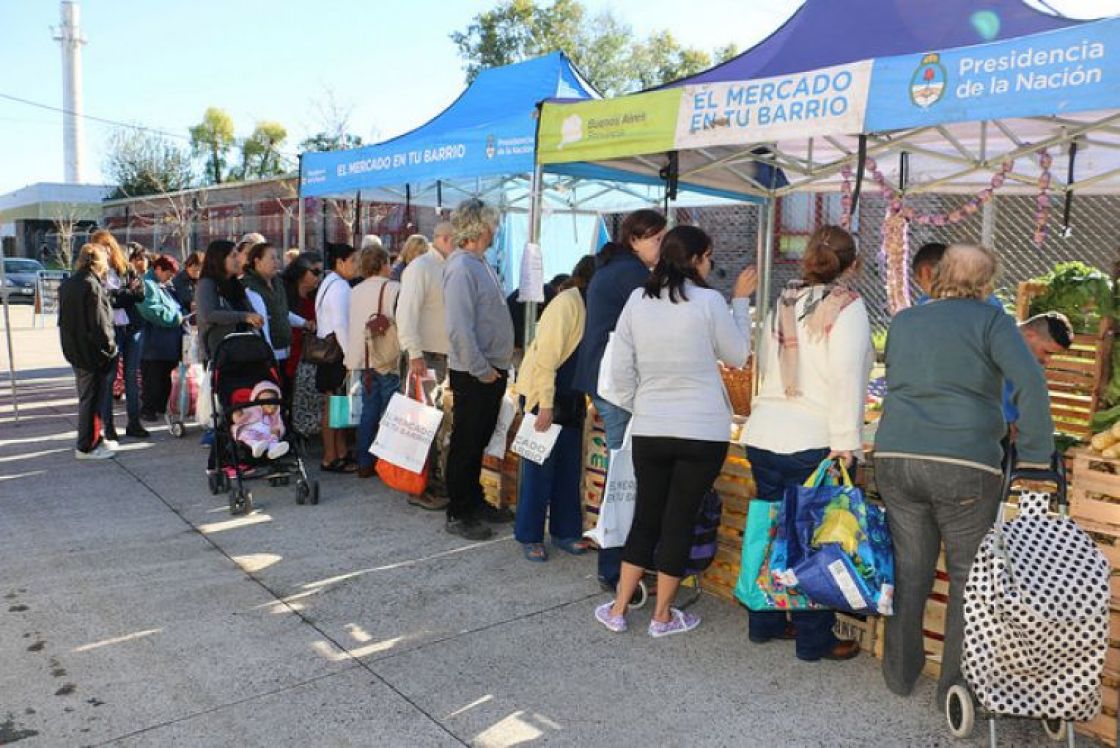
(672, 334)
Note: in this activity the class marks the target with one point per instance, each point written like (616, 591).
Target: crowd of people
(963, 385)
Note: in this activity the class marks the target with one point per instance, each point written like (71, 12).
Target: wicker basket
(739, 386)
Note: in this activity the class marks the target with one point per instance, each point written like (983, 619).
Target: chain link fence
(734, 230)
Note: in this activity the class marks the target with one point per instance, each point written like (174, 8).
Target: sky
(161, 64)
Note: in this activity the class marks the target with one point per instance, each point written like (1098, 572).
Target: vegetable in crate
(1081, 292)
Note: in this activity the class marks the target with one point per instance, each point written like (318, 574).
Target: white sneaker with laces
(100, 452)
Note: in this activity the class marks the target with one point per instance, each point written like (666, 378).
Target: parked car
(20, 276)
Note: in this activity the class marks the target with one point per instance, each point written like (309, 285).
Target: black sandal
(338, 466)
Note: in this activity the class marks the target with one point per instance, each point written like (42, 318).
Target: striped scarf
(823, 304)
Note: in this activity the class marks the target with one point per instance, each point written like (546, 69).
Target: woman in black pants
(672, 333)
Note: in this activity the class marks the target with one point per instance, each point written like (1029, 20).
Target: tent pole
(765, 258)
(8, 335)
(536, 189)
(300, 238)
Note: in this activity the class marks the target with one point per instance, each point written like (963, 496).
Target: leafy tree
(260, 152)
(726, 52)
(603, 47)
(327, 141)
(140, 162)
(212, 139)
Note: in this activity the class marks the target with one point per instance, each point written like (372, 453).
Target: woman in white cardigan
(815, 366)
(670, 337)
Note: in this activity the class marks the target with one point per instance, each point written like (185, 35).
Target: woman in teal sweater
(937, 451)
(161, 337)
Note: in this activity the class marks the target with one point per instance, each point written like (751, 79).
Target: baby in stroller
(259, 427)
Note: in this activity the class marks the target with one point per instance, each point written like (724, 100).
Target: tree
(211, 139)
(140, 162)
(66, 220)
(260, 152)
(334, 123)
(602, 47)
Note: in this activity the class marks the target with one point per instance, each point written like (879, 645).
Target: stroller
(184, 386)
(242, 360)
(1036, 610)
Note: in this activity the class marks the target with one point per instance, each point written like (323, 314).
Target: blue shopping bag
(757, 587)
(840, 552)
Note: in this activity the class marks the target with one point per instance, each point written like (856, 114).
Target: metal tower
(69, 35)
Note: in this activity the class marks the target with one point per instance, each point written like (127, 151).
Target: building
(186, 220)
(39, 219)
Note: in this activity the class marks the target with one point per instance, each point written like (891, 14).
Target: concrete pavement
(135, 611)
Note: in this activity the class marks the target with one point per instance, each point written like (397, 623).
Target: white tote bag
(616, 512)
(497, 446)
(406, 431)
(606, 388)
(202, 409)
(532, 444)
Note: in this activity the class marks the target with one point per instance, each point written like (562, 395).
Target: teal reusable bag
(345, 411)
(757, 588)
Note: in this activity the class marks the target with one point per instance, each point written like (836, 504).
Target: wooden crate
(1103, 727)
(867, 630)
(1076, 379)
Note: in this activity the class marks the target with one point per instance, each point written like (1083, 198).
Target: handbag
(756, 587)
(307, 401)
(318, 350)
(839, 549)
(616, 512)
(404, 438)
(605, 387)
(346, 410)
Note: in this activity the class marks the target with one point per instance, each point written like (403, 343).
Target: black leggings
(672, 477)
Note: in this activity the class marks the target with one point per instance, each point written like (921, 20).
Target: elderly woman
(937, 451)
(481, 335)
(414, 246)
(85, 326)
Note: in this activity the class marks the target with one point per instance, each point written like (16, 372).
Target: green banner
(607, 128)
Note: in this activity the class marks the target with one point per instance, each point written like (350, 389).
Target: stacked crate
(1076, 379)
(1094, 503)
(736, 487)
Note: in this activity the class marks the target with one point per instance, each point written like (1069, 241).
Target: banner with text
(601, 129)
(821, 102)
(1072, 70)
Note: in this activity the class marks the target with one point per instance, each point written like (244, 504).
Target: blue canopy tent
(482, 146)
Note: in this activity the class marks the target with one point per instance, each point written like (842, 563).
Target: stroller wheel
(960, 712)
(1056, 729)
(314, 497)
(178, 430)
(302, 491)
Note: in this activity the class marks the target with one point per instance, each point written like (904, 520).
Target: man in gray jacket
(480, 332)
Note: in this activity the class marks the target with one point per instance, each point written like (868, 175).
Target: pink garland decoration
(894, 252)
(1042, 203)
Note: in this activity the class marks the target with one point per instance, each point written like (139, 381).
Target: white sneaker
(100, 452)
(112, 444)
(258, 449)
(279, 449)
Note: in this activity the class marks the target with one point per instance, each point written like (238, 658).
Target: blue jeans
(772, 473)
(615, 421)
(553, 489)
(375, 399)
(128, 347)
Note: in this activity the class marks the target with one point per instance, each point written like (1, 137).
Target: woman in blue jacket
(162, 337)
(623, 266)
